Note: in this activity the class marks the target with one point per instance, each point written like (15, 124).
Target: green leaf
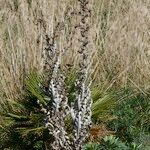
(32, 83)
(36, 130)
(17, 117)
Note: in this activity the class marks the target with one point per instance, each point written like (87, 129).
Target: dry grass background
(120, 41)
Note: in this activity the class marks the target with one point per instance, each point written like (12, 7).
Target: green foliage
(134, 146)
(108, 143)
(26, 120)
(131, 122)
(145, 140)
(22, 125)
(102, 103)
(33, 82)
(132, 118)
(91, 146)
(112, 143)
(21, 129)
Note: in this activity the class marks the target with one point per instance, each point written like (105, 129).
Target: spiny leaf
(17, 117)
(101, 107)
(25, 131)
(33, 82)
(17, 106)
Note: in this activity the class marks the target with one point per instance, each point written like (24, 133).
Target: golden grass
(120, 41)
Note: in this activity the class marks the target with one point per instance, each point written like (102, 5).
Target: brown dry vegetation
(120, 41)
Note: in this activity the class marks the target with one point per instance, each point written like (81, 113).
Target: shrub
(132, 118)
(111, 143)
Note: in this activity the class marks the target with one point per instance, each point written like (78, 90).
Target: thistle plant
(80, 109)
